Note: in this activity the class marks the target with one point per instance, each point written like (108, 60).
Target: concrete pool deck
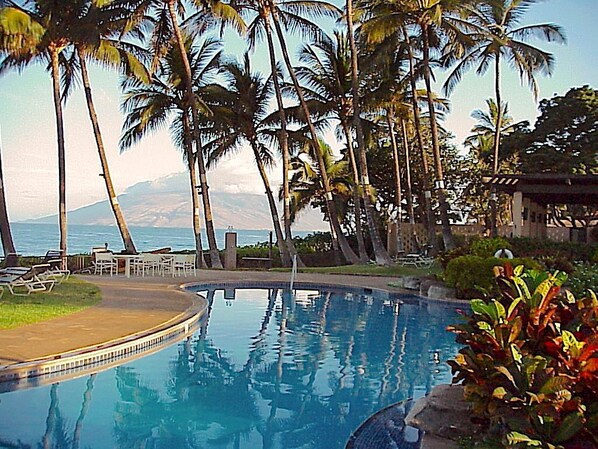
(137, 304)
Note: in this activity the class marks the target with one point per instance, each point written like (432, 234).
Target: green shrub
(538, 248)
(583, 278)
(487, 247)
(472, 276)
(530, 363)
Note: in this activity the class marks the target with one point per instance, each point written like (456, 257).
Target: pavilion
(532, 193)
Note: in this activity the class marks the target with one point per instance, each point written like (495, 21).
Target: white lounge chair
(29, 279)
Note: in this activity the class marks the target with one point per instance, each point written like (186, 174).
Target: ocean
(36, 239)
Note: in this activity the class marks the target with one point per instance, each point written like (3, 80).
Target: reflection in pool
(265, 370)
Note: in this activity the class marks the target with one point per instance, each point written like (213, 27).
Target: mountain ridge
(166, 202)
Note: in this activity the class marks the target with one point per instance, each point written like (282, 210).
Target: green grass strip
(71, 296)
(371, 270)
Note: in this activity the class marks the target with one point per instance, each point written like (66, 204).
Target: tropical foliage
(530, 362)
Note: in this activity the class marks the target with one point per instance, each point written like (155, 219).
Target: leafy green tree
(565, 135)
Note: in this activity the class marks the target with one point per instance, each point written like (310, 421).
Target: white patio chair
(184, 264)
(167, 264)
(105, 262)
(149, 264)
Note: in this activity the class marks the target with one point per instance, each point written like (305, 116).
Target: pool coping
(100, 357)
(104, 355)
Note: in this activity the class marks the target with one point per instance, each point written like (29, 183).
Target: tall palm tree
(8, 245)
(320, 8)
(163, 15)
(382, 20)
(240, 113)
(494, 26)
(36, 33)
(325, 75)
(496, 33)
(380, 253)
(149, 107)
(260, 25)
(96, 36)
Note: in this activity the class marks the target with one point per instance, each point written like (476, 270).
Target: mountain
(166, 202)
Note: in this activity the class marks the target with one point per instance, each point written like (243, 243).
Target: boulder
(443, 414)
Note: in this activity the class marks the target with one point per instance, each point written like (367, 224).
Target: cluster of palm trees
(363, 80)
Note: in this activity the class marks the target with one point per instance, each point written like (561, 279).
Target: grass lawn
(372, 270)
(70, 296)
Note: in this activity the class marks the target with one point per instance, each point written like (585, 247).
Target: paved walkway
(134, 305)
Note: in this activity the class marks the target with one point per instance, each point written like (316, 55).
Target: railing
(293, 271)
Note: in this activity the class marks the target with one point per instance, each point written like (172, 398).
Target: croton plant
(529, 364)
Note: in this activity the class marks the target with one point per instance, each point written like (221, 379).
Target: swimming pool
(265, 369)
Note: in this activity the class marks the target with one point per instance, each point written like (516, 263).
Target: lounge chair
(30, 279)
(53, 258)
(419, 260)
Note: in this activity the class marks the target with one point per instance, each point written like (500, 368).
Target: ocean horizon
(34, 239)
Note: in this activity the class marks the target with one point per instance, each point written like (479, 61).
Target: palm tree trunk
(447, 234)
(61, 157)
(380, 253)
(397, 170)
(118, 215)
(493, 199)
(410, 210)
(199, 258)
(271, 203)
(430, 218)
(203, 181)
(83, 413)
(8, 245)
(363, 255)
(338, 235)
(284, 144)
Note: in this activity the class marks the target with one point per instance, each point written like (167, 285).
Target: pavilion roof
(544, 188)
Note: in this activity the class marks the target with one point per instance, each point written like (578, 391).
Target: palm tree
(382, 20)
(307, 185)
(163, 15)
(8, 245)
(149, 107)
(495, 31)
(258, 27)
(240, 112)
(315, 8)
(325, 75)
(96, 37)
(494, 27)
(35, 33)
(380, 253)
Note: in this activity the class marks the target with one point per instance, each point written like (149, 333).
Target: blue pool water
(264, 370)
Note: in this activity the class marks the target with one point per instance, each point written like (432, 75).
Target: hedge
(472, 276)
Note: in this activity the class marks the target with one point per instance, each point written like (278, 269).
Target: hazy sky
(28, 125)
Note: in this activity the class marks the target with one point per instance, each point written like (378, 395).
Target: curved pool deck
(138, 305)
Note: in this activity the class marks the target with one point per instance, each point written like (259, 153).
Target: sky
(28, 136)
